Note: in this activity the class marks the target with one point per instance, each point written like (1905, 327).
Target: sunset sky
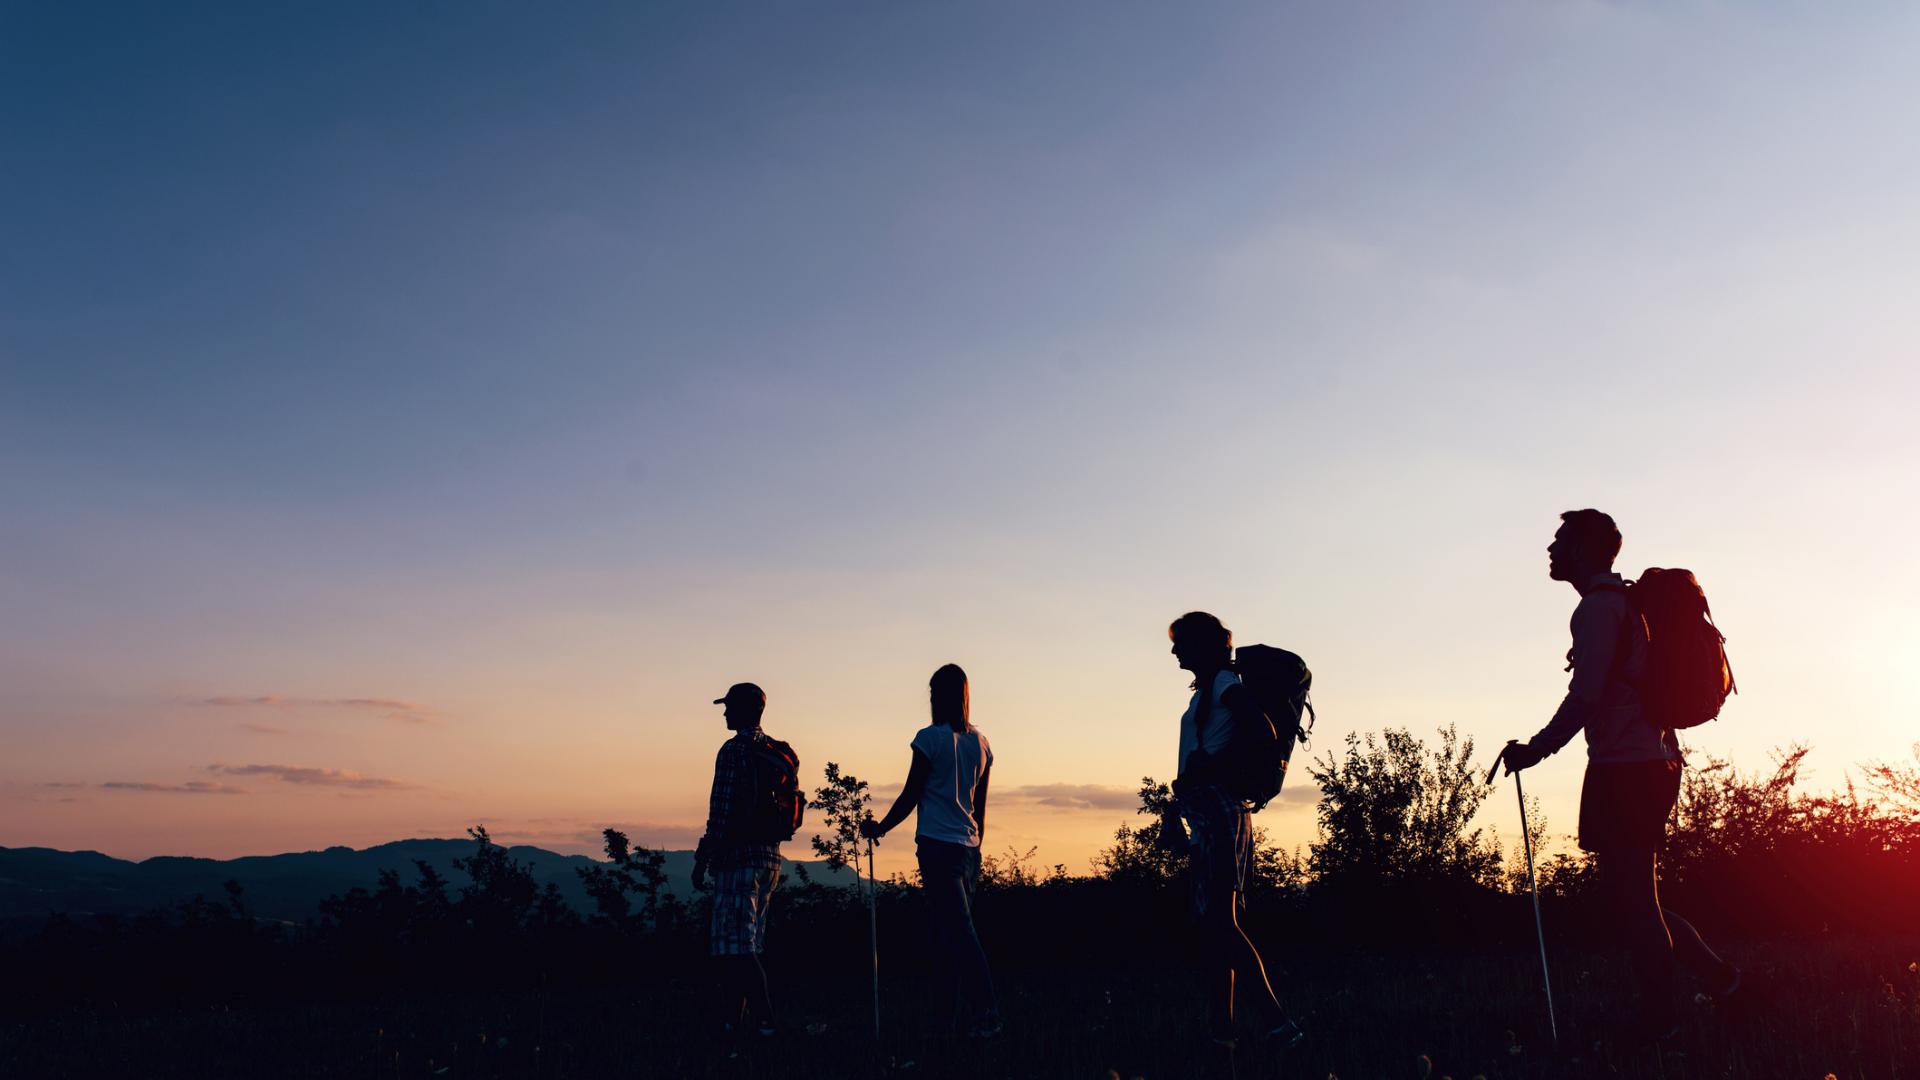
(413, 415)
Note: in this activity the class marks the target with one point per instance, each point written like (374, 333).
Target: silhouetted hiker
(755, 805)
(1218, 836)
(947, 784)
(1633, 768)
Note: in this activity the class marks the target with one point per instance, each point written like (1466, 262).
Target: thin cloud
(1110, 797)
(313, 777)
(411, 712)
(1074, 796)
(191, 787)
(263, 729)
(63, 785)
(408, 712)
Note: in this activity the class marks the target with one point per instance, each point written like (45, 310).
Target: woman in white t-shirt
(1214, 827)
(947, 785)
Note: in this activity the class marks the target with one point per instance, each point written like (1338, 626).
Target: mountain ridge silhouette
(36, 882)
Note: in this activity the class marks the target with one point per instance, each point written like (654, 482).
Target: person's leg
(753, 975)
(745, 990)
(725, 938)
(1632, 891)
(976, 979)
(1210, 888)
(943, 891)
(1246, 973)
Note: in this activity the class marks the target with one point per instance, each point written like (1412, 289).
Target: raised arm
(917, 774)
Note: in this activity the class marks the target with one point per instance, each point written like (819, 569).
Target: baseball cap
(743, 693)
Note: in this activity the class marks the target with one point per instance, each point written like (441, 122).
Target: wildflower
(1425, 1065)
(1914, 968)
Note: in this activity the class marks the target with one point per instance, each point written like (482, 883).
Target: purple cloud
(314, 777)
(191, 787)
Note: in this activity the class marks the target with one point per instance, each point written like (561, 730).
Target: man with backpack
(1212, 798)
(1645, 660)
(755, 805)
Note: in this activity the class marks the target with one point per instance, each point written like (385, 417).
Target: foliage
(1394, 812)
(504, 896)
(633, 873)
(1898, 785)
(1016, 870)
(1136, 857)
(842, 802)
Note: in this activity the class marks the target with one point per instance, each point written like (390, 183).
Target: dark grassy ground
(1849, 1009)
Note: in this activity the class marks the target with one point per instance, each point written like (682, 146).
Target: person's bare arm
(980, 802)
(916, 786)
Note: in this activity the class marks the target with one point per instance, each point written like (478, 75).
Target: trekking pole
(1539, 926)
(873, 934)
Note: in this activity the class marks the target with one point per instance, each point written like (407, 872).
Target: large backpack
(778, 804)
(1688, 677)
(1258, 752)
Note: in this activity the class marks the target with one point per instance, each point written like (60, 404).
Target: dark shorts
(1220, 846)
(1626, 805)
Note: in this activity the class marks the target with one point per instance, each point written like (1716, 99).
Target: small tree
(842, 802)
(1394, 811)
(1136, 855)
(634, 872)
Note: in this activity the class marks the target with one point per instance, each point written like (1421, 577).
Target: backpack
(1688, 677)
(778, 804)
(1257, 752)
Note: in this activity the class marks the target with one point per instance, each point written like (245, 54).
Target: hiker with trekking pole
(756, 804)
(947, 787)
(1646, 660)
(1235, 739)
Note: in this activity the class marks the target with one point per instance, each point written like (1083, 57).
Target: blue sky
(549, 371)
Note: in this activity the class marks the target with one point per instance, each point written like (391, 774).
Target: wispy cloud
(62, 785)
(1110, 797)
(263, 729)
(1074, 796)
(408, 712)
(314, 777)
(191, 787)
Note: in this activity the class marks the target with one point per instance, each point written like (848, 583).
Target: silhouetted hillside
(37, 882)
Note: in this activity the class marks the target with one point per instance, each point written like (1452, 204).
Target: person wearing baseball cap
(750, 811)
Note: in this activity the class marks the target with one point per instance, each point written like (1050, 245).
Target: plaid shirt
(729, 807)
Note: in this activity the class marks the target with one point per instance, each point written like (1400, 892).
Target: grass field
(1849, 1010)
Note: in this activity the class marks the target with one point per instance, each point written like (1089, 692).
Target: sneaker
(1286, 1035)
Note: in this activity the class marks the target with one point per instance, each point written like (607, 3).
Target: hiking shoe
(1286, 1035)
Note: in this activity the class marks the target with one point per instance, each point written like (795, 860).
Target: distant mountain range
(37, 882)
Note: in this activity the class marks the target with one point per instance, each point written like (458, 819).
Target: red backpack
(1688, 677)
(778, 802)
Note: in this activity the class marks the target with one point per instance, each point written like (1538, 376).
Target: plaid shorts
(1219, 845)
(741, 894)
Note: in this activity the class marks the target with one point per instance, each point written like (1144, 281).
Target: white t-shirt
(1218, 729)
(946, 807)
